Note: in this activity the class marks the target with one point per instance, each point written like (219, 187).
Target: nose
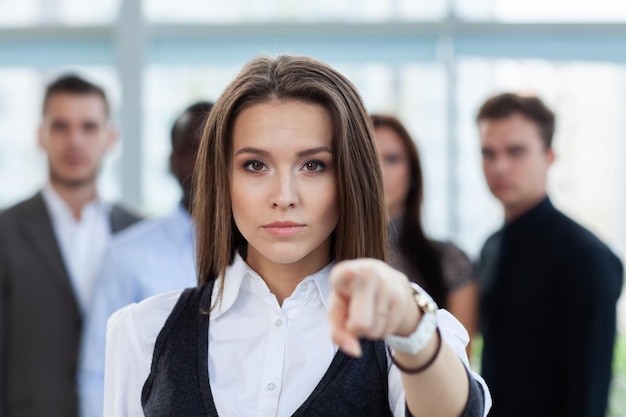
(75, 136)
(284, 194)
(384, 168)
(499, 165)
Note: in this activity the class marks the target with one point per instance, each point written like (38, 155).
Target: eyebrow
(306, 152)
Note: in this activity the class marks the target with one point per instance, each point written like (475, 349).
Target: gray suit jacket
(40, 320)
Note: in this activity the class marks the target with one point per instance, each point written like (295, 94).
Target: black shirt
(549, 289)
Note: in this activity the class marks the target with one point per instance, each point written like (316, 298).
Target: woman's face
(395, 166)
(283, 184)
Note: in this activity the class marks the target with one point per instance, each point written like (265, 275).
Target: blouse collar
(241, 277)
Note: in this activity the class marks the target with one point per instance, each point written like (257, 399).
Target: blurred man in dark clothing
(50, 248)
(549, 287)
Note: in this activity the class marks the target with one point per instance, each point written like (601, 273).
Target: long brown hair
(362, 227)
(413, 244)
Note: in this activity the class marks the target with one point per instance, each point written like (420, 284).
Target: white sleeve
(131, 336)
(113, 290)
(455, 335)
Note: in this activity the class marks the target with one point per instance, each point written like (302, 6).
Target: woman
(440, 268)
(288, 200)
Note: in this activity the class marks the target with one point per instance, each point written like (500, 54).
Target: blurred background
(430, 62)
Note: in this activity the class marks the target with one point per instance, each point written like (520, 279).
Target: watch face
(425, 303)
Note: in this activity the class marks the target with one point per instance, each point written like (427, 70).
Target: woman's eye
(313, 166)
(254, 166)
(392, 159)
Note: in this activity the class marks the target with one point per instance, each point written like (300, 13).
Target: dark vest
(178, 384)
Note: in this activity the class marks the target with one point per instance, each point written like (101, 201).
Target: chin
(78, 182)
(504, 196)
(290, 253)
(284, 257)
(74, 180)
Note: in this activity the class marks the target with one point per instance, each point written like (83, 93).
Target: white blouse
(259, 342)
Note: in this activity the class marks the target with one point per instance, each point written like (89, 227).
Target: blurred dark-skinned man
(147, 259)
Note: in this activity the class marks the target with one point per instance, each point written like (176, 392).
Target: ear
(550, 156)
(172, 161)
(40, 137)
(113, 136)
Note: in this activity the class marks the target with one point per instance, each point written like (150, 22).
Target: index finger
(338, 314)
(354, 280)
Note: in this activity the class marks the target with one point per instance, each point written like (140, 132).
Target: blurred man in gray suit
(50, 250)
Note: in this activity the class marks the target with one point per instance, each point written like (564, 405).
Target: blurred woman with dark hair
(441, 268)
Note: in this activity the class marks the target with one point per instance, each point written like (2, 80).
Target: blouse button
(278, 323)
(270, 387)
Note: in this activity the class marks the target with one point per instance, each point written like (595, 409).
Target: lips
(501, 187)
(73, 160)
(283, 229)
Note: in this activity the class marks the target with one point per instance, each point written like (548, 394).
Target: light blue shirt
(149, 258)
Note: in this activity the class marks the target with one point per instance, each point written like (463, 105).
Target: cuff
(475, 406)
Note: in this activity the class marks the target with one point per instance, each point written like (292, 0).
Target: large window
(21, 166)
(18, 13)
(541, 10)
(217, 11)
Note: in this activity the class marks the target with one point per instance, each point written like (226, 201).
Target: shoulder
(455, 264)
(8, 216)
(139, 233)
(450, 251)
(155, 306)
(493, 238)
(147, 238)
(33, 203)
(587, 260)
(33, 206)
(144, 319)
(122, 217)
(124, 211)
(131, 337)
(492, 244)
(575, 240)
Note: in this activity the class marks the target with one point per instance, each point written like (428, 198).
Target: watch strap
(425, 329)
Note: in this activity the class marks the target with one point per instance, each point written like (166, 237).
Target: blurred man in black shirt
(549, 287)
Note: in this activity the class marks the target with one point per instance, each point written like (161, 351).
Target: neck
(395, 212)
(186, 202)
(76, 197)
(282, 279)
(513, 211)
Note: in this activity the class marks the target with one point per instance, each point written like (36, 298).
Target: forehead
(275, 121)
(515, 130)
(75, 107)
(388, 139)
